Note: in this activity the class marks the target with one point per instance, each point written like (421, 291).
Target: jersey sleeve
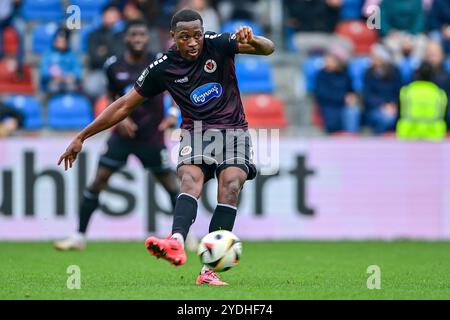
(225, 42)
(150, 83)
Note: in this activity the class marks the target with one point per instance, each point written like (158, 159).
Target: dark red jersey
(121, 78)
(205, 89)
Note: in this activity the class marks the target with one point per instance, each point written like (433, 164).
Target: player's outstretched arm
(113, 114)
(251, 44)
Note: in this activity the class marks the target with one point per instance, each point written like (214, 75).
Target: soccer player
(198, 71)
(141, 134)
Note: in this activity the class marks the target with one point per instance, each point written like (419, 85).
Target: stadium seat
(357, 69)
(90, 9)
(357, 32)
(69, 111)
(30, 107)
(11, 84)
(10, 41)
(447, 64)
(232, 25)
(311, 67)
(289, 36)
(254, 75)
(43, 10)
(265, 111)
(42, 37)
(351, 9)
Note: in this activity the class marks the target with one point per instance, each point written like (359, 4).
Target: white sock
(179, 237)
(80, 236)
(204, 269)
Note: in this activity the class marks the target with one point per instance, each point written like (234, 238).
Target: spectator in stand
(402, 27)
(439, 23)
(103, 43)
(60, 68)
(441, 77)
(314, 23)
(422, 108)
(334, 94)
(367, 3)
(10, 120)
(237, 9)
(382, 83)
(8, 9)
(211, 20)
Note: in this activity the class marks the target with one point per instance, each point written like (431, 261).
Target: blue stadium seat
(69, 111)
(311, 67)
(447, 64)
(42, 37)
(232, 25)
(30, 107)
(43, 10)
(254, 75)
(351, 9)
(357, 69)
(90, 9)
(289, 36)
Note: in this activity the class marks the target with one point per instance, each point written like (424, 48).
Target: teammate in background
(141, 134)
(198, 71)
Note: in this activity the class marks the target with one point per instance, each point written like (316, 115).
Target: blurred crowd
(383, 65)
(366, 57)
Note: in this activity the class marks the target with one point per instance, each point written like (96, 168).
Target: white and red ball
(220, 250)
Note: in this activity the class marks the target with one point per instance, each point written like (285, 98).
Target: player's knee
(191, 184)
(230, 186)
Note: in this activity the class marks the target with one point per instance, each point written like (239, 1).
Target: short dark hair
(137, 22)
(185, 15)
(109, 6)
(424, 73)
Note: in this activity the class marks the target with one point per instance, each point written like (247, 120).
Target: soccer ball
(220, 250)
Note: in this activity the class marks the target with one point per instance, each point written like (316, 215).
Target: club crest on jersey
(210, 66)
(186, 150)
(206, 93)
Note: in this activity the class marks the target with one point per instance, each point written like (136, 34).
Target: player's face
(137, 39)
(188, 37)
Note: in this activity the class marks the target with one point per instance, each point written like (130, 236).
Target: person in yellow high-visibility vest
(422, 108)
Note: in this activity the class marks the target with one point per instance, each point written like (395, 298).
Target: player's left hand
(167, 122)
(244, 35)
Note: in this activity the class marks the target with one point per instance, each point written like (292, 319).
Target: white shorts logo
(186, 150)
(210, 66)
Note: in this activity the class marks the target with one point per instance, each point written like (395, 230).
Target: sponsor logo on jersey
(206, 93)
(182, 80)
(186, 150)
(142, 77)
(210, 66)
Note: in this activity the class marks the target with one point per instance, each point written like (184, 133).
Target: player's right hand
(127, 128)
(70, 155)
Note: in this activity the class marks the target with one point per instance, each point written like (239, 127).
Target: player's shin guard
(184, 214)
(223, 218)
(88, 205)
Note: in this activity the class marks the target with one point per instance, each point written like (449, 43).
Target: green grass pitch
(268, 270)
